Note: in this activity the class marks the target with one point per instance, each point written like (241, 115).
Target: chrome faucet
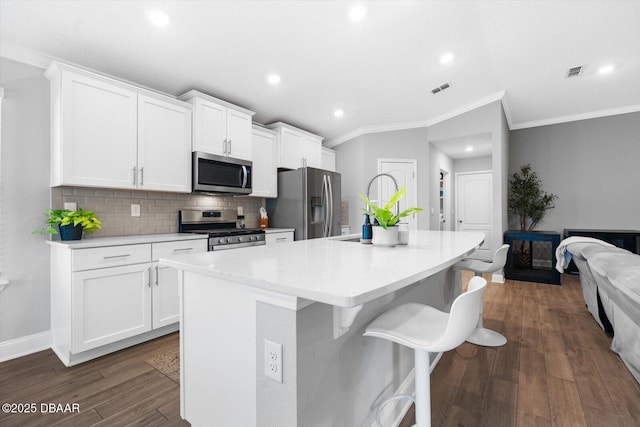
(395, 183)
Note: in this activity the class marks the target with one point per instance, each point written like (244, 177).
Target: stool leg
(423, 389)
(486, 337)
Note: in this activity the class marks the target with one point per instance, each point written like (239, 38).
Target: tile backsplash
(158, 211)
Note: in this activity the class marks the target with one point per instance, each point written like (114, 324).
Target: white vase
(382, 237)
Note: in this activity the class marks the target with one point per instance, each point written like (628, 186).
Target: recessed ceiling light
(468, 149)
(447, 58)
(159, 18)
(606, 69)
(357, 13)
(338, 113)
(273, 79)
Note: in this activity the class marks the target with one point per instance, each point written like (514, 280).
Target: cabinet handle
(148, 278)
(157, 274)
(141, 176)
(281, 239)
(135, 177)
(229, 143)
(224, 146)
(116, 256)
(183, 249)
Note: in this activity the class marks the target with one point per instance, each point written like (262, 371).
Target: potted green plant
(71, 224)
(385, 233)
(529, 204)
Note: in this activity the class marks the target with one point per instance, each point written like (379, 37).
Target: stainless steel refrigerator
(308, 201)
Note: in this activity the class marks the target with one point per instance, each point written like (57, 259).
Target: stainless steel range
(220, 225)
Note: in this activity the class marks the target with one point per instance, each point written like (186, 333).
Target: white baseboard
(24, 345)
(393, 412)
(498, 277)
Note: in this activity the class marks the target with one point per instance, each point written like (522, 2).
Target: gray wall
(593, 167)
(473, 164)
(362, 153)
(24, 177)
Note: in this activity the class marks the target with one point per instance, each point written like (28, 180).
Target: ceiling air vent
(440, 88)
(575, 71)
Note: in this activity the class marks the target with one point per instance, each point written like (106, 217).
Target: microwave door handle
(244, 176)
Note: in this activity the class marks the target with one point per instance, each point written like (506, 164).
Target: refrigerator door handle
(324, 201)
(330, 207)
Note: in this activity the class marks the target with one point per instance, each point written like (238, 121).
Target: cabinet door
(164, 145)
(210, 127)
(291, 149)
(272, 238)
(238, 135)
(312, 151)
(328, 159)
(110, 304)
(166, 299)
(99, 132)
(265, 164)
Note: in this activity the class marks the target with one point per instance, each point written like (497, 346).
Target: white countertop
(333, 271)
(278, 230)
(98, 242)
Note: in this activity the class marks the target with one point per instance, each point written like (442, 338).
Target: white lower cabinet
(279, 237)
(107, 298)
(110, 304)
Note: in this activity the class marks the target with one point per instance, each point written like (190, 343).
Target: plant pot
(70, 232)
(382, 237)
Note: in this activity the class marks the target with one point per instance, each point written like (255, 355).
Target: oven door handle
(244, 176)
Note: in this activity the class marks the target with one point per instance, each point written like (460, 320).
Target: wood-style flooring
(555, 370)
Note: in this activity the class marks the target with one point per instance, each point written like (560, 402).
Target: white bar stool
(428, 330)
(483, 336)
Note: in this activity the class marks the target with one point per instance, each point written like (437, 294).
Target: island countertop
(334, 270)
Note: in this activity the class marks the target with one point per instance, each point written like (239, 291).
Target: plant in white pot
(386, 231)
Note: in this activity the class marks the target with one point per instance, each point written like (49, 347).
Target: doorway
(405, 173)
(474, 201)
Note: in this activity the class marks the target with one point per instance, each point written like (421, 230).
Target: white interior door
(404, 171)
(474, 201)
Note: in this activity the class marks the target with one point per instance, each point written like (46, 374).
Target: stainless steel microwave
(219, 174)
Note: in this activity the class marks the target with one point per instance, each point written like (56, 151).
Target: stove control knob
(228, 239)
(221, 240)
(252, 238)
(258, 237)
(240, 239)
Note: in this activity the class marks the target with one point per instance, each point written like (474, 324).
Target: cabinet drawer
(110, 256)
(279, 237)
(165, 249)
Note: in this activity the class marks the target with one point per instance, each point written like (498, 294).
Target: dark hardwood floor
(555, 370)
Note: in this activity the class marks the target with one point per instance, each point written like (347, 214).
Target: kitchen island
(314, 298)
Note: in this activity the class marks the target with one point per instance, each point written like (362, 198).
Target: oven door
(219, 174)
(235, 245)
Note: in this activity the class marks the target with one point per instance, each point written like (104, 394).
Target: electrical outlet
(135, 210)
(273, 360)
(71, 206)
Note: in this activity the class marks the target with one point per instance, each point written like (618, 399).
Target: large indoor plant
(71, 224)
(529, 203)
(385, 233)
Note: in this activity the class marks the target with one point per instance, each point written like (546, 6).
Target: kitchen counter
(97, 242)
(278, 230)
(309, 300)
(334, 270)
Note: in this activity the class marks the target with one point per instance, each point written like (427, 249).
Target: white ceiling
(380, 70)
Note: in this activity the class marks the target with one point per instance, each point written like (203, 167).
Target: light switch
(71, 206)
(135, 210)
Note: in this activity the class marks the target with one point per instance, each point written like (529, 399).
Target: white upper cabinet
(164, 159)
(265, 162)
(328, 159)
(105, 133)
(297, 147)
(219, 127)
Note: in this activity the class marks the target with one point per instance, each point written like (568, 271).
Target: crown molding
(577, 117)
(498, 96)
